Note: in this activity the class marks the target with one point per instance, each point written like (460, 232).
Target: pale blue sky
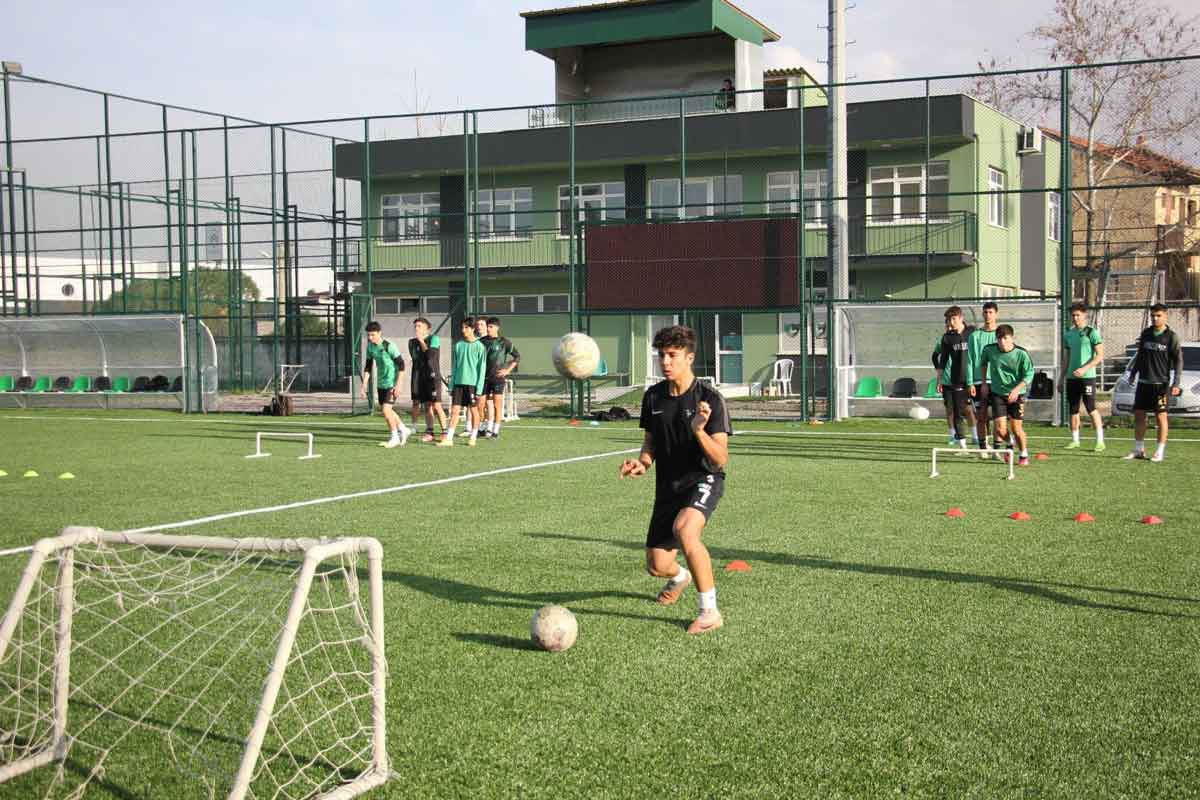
(278, 61)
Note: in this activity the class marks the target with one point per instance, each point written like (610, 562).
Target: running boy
(950, 361)
(687, 433)
(1083, 349)
(466, 380)
(1158, 355)
(1008, 369)
(385, 360)
(980, 338)
(425, 353)
(502, 358)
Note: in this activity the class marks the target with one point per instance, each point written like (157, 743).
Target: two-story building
(642, 134)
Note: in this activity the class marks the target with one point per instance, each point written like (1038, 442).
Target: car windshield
(1191, 359)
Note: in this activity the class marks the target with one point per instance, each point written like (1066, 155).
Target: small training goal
(187, 666)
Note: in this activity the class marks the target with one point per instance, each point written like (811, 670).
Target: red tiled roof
(1138, 157)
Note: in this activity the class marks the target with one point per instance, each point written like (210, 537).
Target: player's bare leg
(399, 432)
(497, 412)
(1139, 435)
(1018, 428)
(662, 563)
(437, 411)
(689, 524)
(1160, 452)
(1003, 450)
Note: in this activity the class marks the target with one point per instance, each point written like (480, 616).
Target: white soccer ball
(576, 356)
(919, 413)
(553, 628)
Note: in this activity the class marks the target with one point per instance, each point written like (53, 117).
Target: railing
(626, 110)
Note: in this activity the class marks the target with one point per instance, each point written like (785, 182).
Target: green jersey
(978, 340)
(383, 356)
(1005, 370)
(1081, 342)
(470, 364)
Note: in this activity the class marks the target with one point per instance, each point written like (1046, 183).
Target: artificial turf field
(876, 648)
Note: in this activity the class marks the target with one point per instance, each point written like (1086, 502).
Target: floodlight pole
(1066, 245)
(838, 274)
(12, 215)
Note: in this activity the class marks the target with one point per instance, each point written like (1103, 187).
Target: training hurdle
(933, 471)
(258, 437)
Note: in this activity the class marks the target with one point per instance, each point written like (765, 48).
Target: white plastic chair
(782, 376)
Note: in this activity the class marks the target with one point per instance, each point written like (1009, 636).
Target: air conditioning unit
(1029, 140)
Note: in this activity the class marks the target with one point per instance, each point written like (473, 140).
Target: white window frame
(1054, 216)
(895, 182)
(997, 199)
(721, 352)
(488, 297)
(425, 304)
(537, 302)
(397, 299)
(426, 219)
(606, 208)
(658, 211)
(564, 295)
(510, 204)
(816, 187)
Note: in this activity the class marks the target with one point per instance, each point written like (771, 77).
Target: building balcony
(954, 232)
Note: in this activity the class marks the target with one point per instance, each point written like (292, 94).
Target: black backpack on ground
(614, 414)
(1042, 387)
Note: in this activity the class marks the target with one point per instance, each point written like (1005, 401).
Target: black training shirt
(953, 348)
(679, 460)
(1157, 356)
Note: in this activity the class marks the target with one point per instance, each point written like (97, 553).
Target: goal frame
(315, 551)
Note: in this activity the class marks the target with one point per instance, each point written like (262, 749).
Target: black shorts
(954, 398)
(493, 386)
(427, 391)
(463, 395)
(1000, 407)
(702, 496)
(980, 400)
(1153, 397)
(1081, 389)
(387, 397)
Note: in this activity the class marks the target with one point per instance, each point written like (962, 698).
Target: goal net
(187, 666)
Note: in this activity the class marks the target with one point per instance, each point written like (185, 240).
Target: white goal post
(253, 664)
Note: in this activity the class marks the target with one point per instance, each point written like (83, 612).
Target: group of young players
(984, 376)
(482, 361)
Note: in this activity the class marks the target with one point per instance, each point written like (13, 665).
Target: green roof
(640, 20)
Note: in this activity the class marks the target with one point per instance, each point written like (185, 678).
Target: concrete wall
(646, 69)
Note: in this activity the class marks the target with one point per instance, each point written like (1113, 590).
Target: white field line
(510, 426)
(353, 495)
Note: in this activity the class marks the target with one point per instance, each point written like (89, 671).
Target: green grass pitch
(876, 647)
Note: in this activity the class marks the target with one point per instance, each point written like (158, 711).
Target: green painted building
(935, 207)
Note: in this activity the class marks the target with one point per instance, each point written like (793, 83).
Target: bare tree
(1117, 112)
(419, 108)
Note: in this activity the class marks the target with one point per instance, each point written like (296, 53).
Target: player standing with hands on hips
(687, 434)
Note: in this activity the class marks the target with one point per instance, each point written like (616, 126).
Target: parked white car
(1187, 404)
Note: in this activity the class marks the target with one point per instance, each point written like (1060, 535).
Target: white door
(654, 324)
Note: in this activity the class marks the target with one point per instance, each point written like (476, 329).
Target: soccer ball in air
(553, 628)
(919, 413)
(576, 356)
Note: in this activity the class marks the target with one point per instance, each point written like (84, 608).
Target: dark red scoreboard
(743, 263)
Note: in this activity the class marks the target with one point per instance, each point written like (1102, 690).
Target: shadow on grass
(459, 592)
(493, 640)
(1045, 590)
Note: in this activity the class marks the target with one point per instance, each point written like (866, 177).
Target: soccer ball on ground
(919, 413)
(553, 628)
(576, 356)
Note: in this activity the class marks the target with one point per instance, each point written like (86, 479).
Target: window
(555, 303)
(410, 217)
(386, 305)
(525, 304)
(594, 202)
(783, 189)
(703, 197)
(1054, 216)
(896, 193)
(997, 201)
(410, 305)
(437, 305)
(497, 304)
(729, 348)
(505, 212)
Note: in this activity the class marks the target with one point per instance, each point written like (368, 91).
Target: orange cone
(1020, 516)
(956, 512)
(737, 566)
(1083, 516)
(574, 422)
(1042, 456)
(1152, 520)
